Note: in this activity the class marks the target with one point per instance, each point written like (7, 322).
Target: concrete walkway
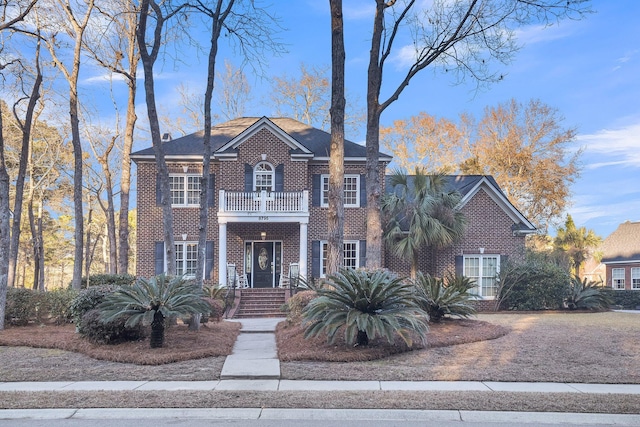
(255, 355)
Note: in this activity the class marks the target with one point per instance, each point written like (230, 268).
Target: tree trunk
(87, 256)
(362, 339)
(4, 228)
(148, 60)
(335, 213)
(157, 331)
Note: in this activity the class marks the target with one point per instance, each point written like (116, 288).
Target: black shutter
(208, 265)
(211, 191)
(459, 263)
(248, 177)
(316, 196)
(280, 178)
(316, 253)
(159, 258)
(158, 191)
(363, 253)
(363, 191)
(503, 260)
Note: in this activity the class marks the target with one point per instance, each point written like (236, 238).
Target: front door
(263, 265)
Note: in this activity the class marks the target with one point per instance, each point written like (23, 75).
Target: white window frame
(324, 182)
(481, 287)
(185, 271)
(185, 190)
(617, 282)
(635, 278)
(323, 251)
(271, 174)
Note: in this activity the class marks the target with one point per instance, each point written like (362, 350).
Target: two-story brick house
(268, 201)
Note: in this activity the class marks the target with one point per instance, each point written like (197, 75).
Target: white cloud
(533, 34)
(613, 146)
(361, 10)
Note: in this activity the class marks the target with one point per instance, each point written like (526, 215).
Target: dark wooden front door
(263, 265)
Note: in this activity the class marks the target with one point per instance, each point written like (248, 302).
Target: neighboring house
(621, 257)
(268, 204)
(495, 231)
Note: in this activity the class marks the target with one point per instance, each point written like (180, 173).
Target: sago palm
(366, 304)
(450, 296)
(420, 213)
(586, 294)
(152, 301)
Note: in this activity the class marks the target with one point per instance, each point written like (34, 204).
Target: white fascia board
(501, 200)
(256, 127)
(632, 261)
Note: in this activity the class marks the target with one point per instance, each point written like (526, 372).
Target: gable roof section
(623, 245)
(304, 141)
(469, 185)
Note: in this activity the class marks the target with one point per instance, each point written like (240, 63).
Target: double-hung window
(351, 191)
(185, 190)
(350, 255)
(635, 278)
(186, 258)
(483, 270)
(617, 278)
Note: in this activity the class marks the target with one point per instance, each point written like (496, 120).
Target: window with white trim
(350, 255)
(263, 177)
(186, 258)
(635, 278)
(483, 270)
(617, 278)
(351, 191)
(185, 190)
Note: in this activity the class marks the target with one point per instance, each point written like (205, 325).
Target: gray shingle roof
(623, 244)
(315, 140)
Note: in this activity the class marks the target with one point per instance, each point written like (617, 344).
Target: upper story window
(263, 177)
(185, 190)
(351, 191)
(483, 270)
(617, 278)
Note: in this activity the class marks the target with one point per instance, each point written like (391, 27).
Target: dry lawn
(559, 347)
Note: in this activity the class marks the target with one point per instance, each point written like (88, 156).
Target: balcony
(263, 205)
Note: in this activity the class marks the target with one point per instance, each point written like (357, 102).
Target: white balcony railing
(263, 201)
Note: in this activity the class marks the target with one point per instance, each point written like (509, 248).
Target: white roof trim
(501, 200)
(255, 128)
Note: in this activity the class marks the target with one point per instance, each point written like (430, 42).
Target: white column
(222, 253)
(303, 249)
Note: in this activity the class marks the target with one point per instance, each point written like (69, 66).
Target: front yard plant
(448, 296)
(365, 304)
(586, 295)
(152, 301)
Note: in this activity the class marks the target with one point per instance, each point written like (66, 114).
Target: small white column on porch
(303, 249)
(222, 253)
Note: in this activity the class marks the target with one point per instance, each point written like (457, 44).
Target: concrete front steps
(260, 303)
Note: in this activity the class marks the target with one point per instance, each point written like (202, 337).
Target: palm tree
(420, 213)
(577, 243)
(586, 294)
(448, 296)
(367, 304)
(152, 301)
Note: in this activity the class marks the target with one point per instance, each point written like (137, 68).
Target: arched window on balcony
(263, 177)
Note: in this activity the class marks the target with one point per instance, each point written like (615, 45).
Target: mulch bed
(292, 346)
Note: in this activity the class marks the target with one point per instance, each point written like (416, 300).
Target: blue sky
(589, 70)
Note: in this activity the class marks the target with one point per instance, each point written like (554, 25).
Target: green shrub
(448, 296)
(535, 284)
(88, 299)
(56, 305)
(365, 305)
(217, 309)
(586, 295)
(624, 299)
(112, 332)
(21, 306)
(108, 279)
(296, 304)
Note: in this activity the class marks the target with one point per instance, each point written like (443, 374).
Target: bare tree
(461, 38)
(335, 213)
(75, 21)
(234, 92)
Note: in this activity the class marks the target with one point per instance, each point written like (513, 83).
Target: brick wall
(627, 274)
